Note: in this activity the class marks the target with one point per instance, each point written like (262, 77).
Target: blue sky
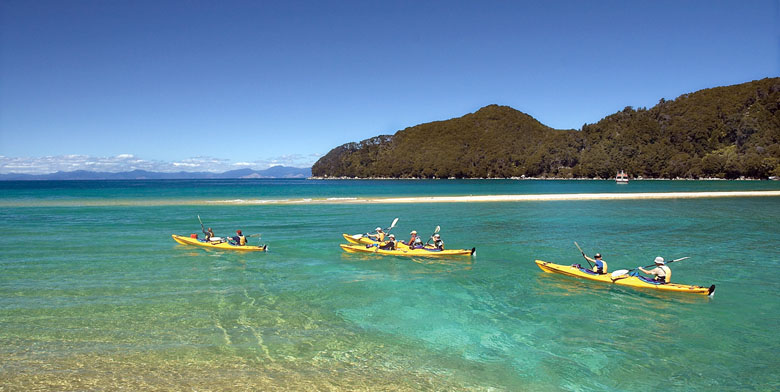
(216, 85)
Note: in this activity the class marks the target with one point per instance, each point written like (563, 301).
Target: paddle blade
(620, 272)
(394, 222)
(437, 229)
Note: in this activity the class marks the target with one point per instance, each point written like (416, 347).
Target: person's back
(239, 239)
(437, 242)
(379, 236)
(600, 266)
(661, 273)
(415, 241)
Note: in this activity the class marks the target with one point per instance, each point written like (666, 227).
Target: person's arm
(588, 258)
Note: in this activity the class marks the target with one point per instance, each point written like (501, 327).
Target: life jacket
(415, 241)
(380, 237)
(603, 269)
(668, 274)
(241, 240)
(439, 244)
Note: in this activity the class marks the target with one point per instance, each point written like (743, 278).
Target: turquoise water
(100, 297)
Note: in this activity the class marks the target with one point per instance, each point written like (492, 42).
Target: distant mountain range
(273, 172)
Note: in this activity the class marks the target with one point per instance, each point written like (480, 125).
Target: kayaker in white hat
(437, 242)
(661, 273)
(379, 236)
(415, 241)
(390, 244)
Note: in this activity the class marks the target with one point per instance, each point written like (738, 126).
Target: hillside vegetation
(724, 132)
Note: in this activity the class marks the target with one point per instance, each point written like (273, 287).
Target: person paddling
(239, 239)
(437, 242)
(661, 273)
(390, 244)
(379, 236)
(600, 266)
(415, 241)
(209, 234)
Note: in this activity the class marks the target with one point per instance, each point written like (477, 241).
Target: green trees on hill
(725, 132)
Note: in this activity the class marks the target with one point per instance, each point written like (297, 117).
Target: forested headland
(723, 132)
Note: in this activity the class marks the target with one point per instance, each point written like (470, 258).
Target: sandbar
(511, 198)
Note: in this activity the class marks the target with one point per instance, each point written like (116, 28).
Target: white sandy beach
(511, 198)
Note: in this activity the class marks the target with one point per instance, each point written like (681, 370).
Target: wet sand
(390, 200)
(512, 198)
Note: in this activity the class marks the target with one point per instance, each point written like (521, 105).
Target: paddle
(203, 229)
(622, 272)
(392, 225)
(359, 236)
(434, 232)
(583, 254)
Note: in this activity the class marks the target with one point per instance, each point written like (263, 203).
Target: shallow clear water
(100, 297)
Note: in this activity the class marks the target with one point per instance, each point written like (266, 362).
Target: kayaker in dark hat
(661, 273)
(238, 239)
(600, 266)
(390, 244)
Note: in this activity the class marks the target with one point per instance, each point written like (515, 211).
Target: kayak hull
(360, 239)
(407, 252)
(623, 280)
(218, 245)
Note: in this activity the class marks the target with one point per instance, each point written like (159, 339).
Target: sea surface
(95, 295)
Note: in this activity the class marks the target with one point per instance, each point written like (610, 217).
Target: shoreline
(544, 178)
(395, 200)
(508, 198)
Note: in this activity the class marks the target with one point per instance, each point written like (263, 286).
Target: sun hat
(378, 229)
(597, 255)
(659, 260)
(413, 232)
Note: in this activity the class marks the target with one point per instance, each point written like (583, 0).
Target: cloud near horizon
(129, 162)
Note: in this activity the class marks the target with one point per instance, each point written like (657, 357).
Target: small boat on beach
(621, 178)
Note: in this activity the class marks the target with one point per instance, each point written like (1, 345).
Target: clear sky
(216, 85)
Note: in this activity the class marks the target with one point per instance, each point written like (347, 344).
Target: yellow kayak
(623, 280)
(360, 239)
(408, 252)
(217, 245)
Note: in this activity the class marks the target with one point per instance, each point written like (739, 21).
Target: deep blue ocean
(95, 295)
